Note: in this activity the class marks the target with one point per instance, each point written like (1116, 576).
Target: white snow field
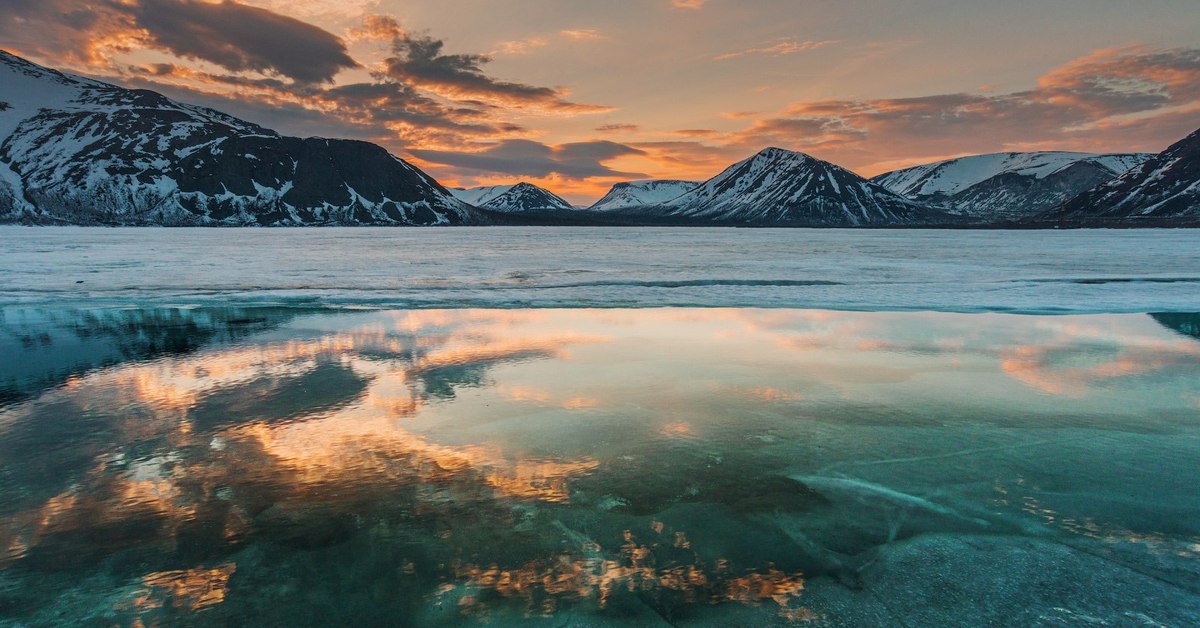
(960, 271)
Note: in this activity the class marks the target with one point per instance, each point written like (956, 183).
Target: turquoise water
(215, 466)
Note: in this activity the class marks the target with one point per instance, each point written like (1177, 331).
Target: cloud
(386, 112)
(526, 158)
(780, 48)
(419, 60)
(418, 97)
(688, 159)
(240, 37)
(1131, 98)
(65, 29)
(618, 128)
(583, 34)
(739, 115)
(377, 27)
(521, 46)
(688, 4)
(234, 36)
(817, 133)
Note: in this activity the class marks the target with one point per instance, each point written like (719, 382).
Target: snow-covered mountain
(778, 187)
(480, 195)
(642, 193)
(1006, 186)
(1165, 190)
(522, 198)
(78, 151)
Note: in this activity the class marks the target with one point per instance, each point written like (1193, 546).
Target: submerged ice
(636, 467)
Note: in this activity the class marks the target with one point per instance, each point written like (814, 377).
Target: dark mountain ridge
(78, 151)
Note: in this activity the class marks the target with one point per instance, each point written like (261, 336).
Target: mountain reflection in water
(625, 466)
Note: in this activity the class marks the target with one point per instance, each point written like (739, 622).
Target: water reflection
(57, 345)
(738, 466)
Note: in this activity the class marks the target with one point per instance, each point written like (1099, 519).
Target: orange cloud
(582, 34)
(378, 27)
(521, 46)
(618, 128)
(1131, 98)
(780, 48)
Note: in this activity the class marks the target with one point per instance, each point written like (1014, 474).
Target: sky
(576, 95)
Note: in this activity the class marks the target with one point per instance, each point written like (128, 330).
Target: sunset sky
(575, 96)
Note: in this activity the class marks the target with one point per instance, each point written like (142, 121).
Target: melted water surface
(639, 467)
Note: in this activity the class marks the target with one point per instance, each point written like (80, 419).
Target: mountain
(778, 187)
(78, 151)
(522, 198)
(1006, 186)
(480, 195)
(1163, 191)
(642, 193)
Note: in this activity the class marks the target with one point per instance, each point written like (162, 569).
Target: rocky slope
(1163, 191)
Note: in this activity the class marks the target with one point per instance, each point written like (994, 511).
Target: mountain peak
(519, 198)
(774, 152)
(782, 187)
(10, 59)
(32, 70)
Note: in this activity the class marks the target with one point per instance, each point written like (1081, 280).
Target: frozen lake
(960, 271)
(714, 467)
(599, 427)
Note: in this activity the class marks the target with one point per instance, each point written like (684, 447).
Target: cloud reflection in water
(506, 464)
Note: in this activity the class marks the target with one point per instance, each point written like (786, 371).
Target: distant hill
(522, 198)
(642, 193)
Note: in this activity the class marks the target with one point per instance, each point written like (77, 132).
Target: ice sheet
(963, 271)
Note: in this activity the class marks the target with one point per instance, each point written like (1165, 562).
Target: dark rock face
(1163, 191)
(78, 151)
(777, 187)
